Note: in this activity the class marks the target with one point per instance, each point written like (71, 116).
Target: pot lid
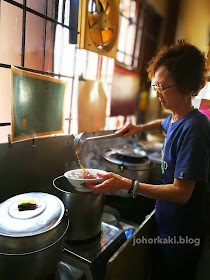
(46, 214)
(129, 151)
(126, 161)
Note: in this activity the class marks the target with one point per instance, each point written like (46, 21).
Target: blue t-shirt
(186, 156)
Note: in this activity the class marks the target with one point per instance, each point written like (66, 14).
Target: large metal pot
(129, 165)
(85, 210)
(155, 174)
(31, 241)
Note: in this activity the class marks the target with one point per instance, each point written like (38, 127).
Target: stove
(88, 259)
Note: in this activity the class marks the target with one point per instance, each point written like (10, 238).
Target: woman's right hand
(129, 129)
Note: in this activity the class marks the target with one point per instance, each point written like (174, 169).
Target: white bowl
(80, 184)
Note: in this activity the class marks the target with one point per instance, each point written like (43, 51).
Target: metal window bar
(86, 66)
(63, 11)
(36, 71)
(136, 23)
(72, 90)
(36, 13)
(25, 8)
(56, 8)
(5, 124)
(125, 43)
(123, 52)
(139, 3)
(44, 36)
(23, 36)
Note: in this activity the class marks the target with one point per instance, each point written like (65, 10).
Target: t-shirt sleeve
(192, 155)
(165, 123)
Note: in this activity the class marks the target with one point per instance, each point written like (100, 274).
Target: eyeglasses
(161, 89)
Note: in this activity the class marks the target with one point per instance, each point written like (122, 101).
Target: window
(128, 46)
(27, 41)
(40, 30)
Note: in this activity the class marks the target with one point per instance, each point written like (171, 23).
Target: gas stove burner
(127, 160)
(92, 258)
(90, 251)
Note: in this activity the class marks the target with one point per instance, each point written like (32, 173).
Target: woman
(178, 74)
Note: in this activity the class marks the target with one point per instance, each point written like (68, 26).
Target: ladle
(80, 139)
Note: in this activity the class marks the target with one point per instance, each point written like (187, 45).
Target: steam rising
(91, 156)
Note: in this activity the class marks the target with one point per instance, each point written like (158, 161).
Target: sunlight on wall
(194, 23)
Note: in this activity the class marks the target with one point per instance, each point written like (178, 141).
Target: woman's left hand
(113, 182)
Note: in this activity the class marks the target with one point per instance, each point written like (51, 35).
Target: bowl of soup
(81, 179)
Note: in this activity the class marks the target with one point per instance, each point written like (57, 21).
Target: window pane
(19, 1)
(5, 104)
(38, 5)
(60, 11)
(126, 8)
(34, 41)
(67, 104)
(10, 34)
(128, 60)
(66, 15)
(51, 8)
(64, 52)
(131, 34)
(120, 57)
(104, 68)
(58, 49)
(108, 107)
(48, 66)
(133, 11)
(92, 66)
(127, 37)
(68, 56)
(74, 125)
(81, 62)
(110, 70)
(136, 62)
(123, 34)
(138, 43)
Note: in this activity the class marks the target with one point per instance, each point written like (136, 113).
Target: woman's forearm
(151, 126)
(130, 129)
(179, 192)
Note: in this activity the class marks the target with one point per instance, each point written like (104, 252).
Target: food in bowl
(80, 179)
(84, 175)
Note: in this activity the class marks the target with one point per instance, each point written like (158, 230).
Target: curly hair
(186, 65)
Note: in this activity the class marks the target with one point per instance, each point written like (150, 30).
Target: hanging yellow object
(143, 101)
(92, 103)
(98, 26)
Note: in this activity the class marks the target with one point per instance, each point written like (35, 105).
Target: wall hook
(9, 140)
